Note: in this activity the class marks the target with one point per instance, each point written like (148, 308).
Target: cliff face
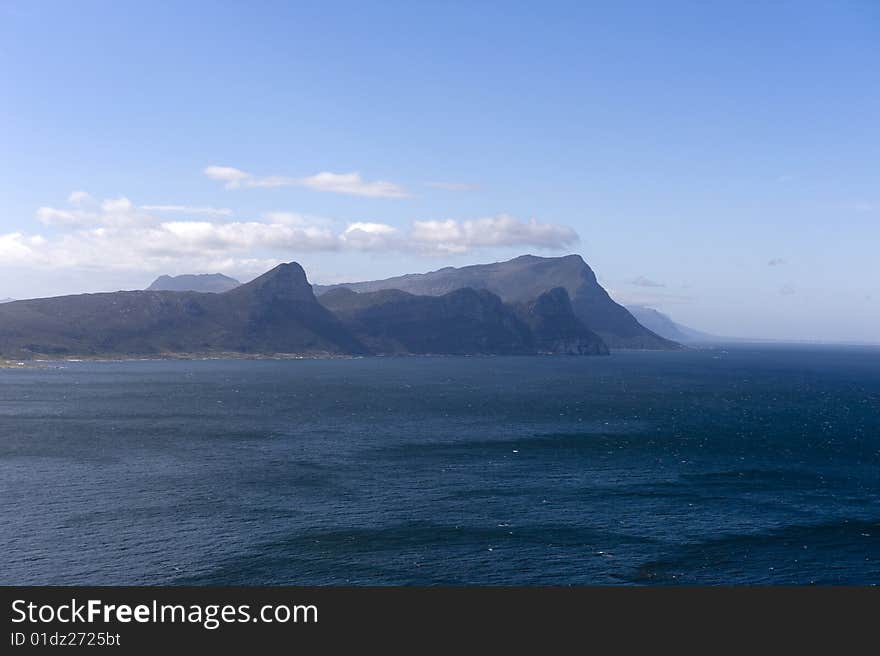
(524, 279)
(557, 329)
(465, 321)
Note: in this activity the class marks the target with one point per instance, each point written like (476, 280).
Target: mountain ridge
(278, 313)
(465, 320)
(665, 326)
(215, 283)
(261, 317)
(524, 278)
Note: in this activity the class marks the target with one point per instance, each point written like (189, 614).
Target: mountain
(6, 300)
(279, 314)
(215, 283)
(275, 314)
(664, 326)
(522, 280)
(556, 328)
(463, 321)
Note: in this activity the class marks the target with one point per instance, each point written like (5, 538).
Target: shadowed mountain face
(556, 328)
(522, 280)
(215, 283)
(465, 321)
(461, 322)
(276, 313)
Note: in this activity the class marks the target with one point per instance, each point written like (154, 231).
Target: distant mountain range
(6, 300)
(529, 305)
(215, 283)
(523, 279)
(664, 326)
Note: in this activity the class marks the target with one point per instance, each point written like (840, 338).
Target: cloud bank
(117, 234)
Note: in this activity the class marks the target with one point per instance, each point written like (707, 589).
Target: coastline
(19, 364)
(44, 360)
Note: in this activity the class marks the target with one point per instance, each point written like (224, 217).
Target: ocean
(733, 465)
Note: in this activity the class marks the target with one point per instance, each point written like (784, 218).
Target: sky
(717, 161)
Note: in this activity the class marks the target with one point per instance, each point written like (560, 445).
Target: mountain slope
(666, 327)
(463, 321)
(215, 283)
(555, 327)
(523, 279)
(276, 313)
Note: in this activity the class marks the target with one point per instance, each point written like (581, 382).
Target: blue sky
(717, 161)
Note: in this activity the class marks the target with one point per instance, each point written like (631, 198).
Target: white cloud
(119, 205)
(453, 236)
(64, 218)
(297, 219)
(14, 247)
(445, 234)
(202, 236)
(79, 198)
(271, 181)
(340, 183)
(187, 209)
(352, 183)
(163, 246)
(117, 234)
(371, 236)
(233, 178)
(112, 211)
(371, 228)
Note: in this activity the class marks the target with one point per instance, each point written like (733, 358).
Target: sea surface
(741, 464)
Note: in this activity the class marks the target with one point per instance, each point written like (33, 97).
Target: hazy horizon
(719, 164)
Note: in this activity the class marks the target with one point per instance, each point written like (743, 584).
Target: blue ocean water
(728, 465)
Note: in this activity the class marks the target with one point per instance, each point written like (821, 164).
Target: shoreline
(17, 364)
(199, 357)
(43, 360)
